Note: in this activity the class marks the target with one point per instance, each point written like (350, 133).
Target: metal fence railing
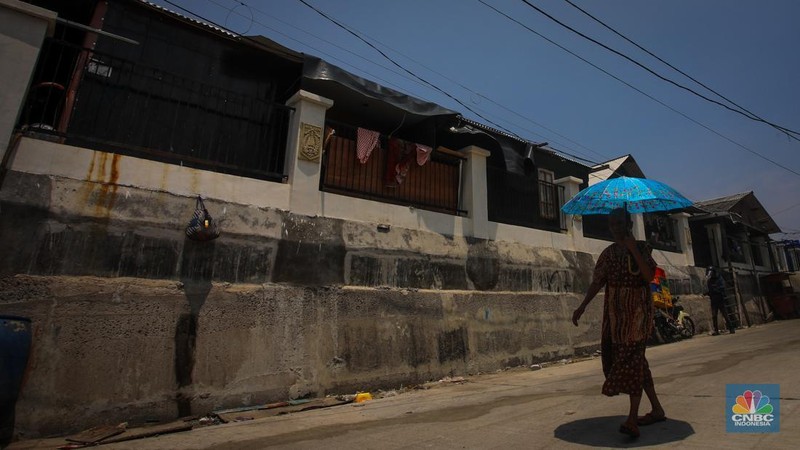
(434, 185)
(101, 101)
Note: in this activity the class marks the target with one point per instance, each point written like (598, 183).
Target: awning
(353, 93)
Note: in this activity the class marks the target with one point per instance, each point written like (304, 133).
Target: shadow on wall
(197, 267)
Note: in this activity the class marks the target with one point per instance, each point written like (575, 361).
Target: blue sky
(745, 50)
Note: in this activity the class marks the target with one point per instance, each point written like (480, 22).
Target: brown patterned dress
(627, 320)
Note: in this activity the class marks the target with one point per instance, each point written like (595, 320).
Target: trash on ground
(453, 380)
(362, 397)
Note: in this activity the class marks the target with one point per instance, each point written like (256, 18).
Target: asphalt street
(558, 406)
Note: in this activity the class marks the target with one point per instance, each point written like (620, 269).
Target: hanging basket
(202, 227)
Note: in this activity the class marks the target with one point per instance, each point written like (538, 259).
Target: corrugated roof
(190, 19)
(540, 145)
(721, 204)
(742, 208)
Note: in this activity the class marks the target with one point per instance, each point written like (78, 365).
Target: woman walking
(625, 268)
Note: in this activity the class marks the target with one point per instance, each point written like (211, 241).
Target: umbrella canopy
(637, 195)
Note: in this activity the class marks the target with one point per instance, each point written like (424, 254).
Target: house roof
(624, 165)
(721, 204)
(192, 20)
(739, 208)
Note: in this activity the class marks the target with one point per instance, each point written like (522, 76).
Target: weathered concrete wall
(133, 321)
(124, 349)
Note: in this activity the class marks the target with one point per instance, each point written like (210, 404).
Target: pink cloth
(366, 141)
(423, 154)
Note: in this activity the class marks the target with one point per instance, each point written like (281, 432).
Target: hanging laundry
(366, 141)
(423, 154)
(399, 159)
(393, 155)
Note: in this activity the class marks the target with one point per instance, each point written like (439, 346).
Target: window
(548, 198)
(660, 231)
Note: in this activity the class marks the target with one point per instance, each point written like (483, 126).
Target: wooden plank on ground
(155, 430)
(239, 416)
(96, 434)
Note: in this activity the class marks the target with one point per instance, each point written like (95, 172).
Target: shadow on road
(602, 432)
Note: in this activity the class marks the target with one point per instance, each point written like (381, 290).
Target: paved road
(557, 407)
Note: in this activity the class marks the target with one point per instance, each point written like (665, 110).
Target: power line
(479, 95)
(322, 52)
(403, 75)
(788, 132)
(421, 79)
(404, 69)
(674, 68)
(637, 89)
(231, 10)
(786, 209)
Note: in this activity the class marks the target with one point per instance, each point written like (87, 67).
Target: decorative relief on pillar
(310, 142)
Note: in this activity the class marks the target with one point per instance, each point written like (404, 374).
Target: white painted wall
(22, 30)
(47, 158)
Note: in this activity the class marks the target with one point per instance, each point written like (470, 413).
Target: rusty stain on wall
(102, 183)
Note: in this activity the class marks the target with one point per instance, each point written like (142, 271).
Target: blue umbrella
(637, 195)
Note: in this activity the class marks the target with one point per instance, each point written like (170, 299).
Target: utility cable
(675, 68)
(788, 132)
(260, 44)
(406, 70)
(637, 89)
(403, 75)
(232, 10)
(416, 76)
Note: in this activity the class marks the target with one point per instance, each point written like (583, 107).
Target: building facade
(368, 239)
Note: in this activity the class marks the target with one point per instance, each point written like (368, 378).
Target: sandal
(629, 429)
(649, 419)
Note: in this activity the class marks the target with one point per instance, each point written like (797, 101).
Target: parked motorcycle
(673, 323)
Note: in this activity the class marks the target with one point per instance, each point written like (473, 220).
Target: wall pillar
(304, 152)
(475, 197)
(571, 189)
(638, 227)
(24, 27)
(684, 236)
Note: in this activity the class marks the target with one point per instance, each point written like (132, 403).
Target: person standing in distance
(716, 291)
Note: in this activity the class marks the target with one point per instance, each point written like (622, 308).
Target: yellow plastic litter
(362, 397)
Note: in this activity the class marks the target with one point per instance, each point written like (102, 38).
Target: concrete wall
(282, 305)
(112, 350)
(132, 321)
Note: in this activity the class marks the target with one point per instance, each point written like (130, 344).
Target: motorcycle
(673, 323)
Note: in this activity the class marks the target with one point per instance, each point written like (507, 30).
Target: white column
(638, 227)
(475, 198)
(23, 28)
(684, 236)
(304, 152)
(571, 189)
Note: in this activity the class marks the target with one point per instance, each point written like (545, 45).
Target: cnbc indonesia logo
(753, 411)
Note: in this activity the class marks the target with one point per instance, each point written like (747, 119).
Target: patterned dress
(627, 319)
